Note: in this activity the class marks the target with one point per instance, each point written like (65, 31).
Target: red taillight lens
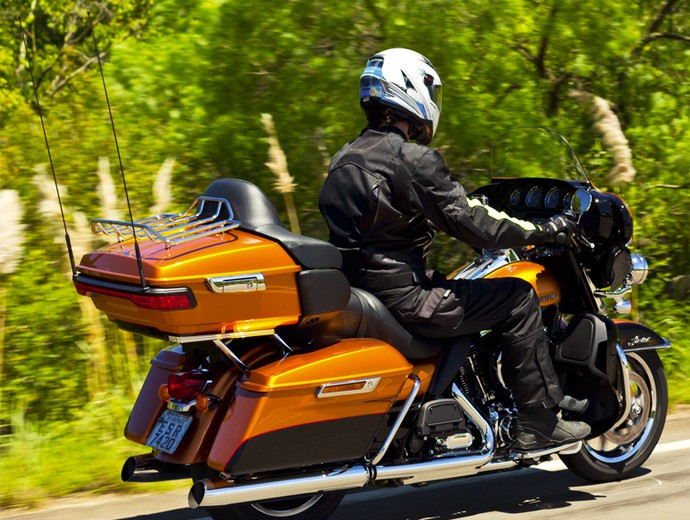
(162, 301)
(186, 386)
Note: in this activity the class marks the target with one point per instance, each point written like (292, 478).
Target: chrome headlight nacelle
(637, 275)
(640, 268)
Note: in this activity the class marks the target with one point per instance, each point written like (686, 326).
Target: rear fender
(225, 376)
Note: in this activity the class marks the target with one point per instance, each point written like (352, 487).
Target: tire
(618, 453)
(309, 507)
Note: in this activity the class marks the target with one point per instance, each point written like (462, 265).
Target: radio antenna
(137, 251)
(68, 242)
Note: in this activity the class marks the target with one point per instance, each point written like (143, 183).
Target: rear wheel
(616, 454)
(318, 506)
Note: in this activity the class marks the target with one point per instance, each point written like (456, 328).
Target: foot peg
(570, 404)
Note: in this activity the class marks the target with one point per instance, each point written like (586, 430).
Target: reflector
(162, 301)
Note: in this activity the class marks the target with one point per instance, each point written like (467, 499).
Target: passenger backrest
(323, 288)
(257, 215)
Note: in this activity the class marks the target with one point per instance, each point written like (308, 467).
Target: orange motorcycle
(284, 388)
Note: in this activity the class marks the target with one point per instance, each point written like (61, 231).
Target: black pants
(508, 306)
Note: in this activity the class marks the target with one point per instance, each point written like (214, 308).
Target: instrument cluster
(535, 197)
(530, 196)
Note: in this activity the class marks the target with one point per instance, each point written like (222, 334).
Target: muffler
(218, 492)
(146, 468)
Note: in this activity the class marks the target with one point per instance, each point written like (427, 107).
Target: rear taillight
(182, 391)
(186, 386)
(156, 299)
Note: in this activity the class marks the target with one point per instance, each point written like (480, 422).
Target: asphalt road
(658, 490)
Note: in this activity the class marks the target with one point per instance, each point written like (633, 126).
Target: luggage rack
(173, 229)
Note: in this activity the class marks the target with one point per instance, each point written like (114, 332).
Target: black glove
(561, 230)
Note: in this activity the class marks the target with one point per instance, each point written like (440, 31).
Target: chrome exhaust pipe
(447, 467)
(146, 468)
(219, 492)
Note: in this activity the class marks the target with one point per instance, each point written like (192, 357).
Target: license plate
(169, 431)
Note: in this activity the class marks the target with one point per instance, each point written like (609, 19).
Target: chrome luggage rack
(173, 229)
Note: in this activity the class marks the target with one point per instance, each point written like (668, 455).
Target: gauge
(568, 201)
(515, 198)
(533, 197)
(552, 198)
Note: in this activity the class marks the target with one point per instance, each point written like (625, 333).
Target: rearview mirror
(581, 201)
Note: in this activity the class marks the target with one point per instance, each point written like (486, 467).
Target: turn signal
(164, 393)
(202, 403)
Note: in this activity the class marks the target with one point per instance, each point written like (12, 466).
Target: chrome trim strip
(226, 335)
(237, 283)
(181, 406)
(399, 420)
(666, 344)
(369, 386)
(487, 263)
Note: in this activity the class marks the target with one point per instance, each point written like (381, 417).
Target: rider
(385, 197)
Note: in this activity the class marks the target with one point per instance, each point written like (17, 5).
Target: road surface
(658, 490)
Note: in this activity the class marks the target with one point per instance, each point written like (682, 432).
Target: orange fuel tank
(544, 283)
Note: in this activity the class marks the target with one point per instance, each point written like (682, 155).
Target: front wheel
(616, 454)
(309, 507)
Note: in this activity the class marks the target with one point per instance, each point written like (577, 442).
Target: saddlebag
(310, 408)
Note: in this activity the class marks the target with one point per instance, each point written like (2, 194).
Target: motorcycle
(284, 388)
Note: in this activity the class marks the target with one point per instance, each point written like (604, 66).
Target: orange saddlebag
(310, 408)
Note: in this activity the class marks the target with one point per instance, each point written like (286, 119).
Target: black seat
(366, 317)
(257, 214)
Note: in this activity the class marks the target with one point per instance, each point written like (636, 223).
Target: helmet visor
(435, 90)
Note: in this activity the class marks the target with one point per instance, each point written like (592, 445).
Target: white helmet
(407, 82)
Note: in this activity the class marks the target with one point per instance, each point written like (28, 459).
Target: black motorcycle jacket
(384, 198)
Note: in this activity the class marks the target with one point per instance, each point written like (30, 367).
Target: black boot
(540, 428)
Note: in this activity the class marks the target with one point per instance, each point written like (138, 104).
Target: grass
(39, 462)
(677, 364)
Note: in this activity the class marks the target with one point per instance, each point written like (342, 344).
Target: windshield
(534, 152)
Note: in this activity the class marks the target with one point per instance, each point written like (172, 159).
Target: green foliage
(45, 459)
(189, 79)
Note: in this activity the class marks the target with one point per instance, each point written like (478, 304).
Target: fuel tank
(545, 285)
